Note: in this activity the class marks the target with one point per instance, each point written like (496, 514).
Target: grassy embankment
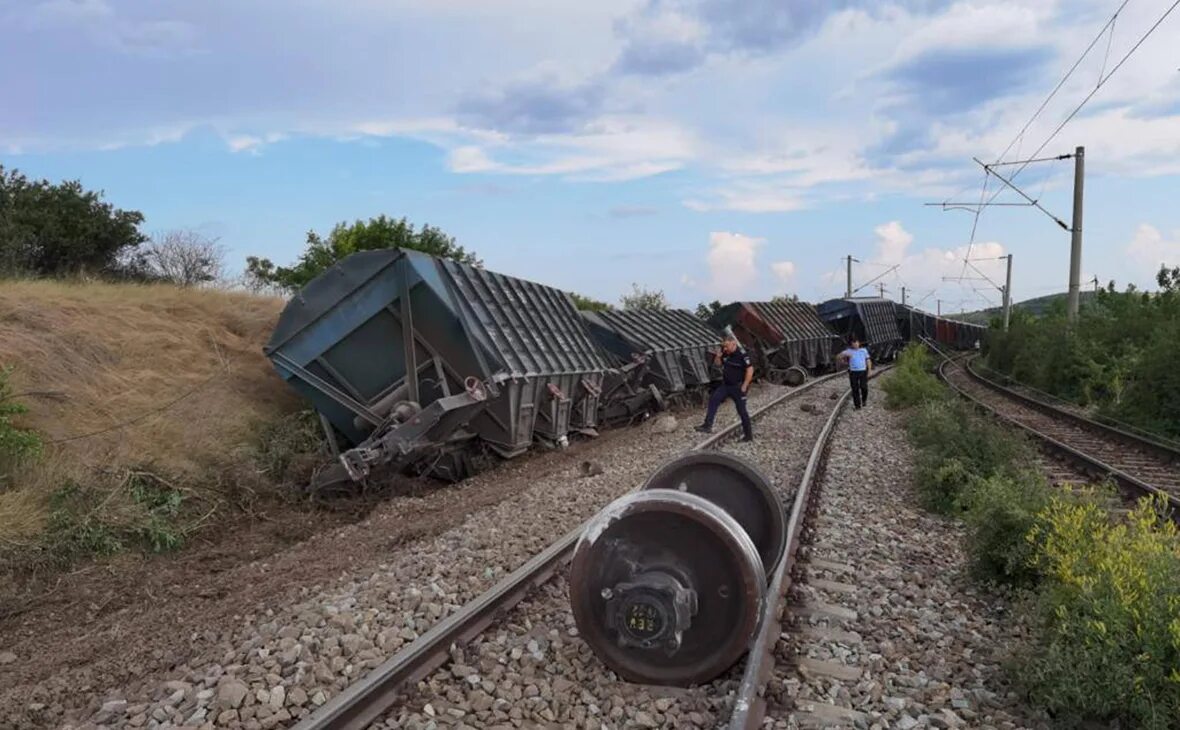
(1099, 589)
(132, 416)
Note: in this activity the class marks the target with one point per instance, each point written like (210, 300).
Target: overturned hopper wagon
(785, 338)
(420, 363)
(872, 320)
(675, 346)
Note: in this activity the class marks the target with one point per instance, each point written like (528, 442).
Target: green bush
(957, 448)
(1118, 358)
(1108, 619)
(16, 444)
(1001, 512)
(144, 513)
(911, 382)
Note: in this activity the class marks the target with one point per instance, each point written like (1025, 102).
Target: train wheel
(736, 486)
(795, 376)
(666, 588)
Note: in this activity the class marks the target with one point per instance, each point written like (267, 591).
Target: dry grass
(101, 355)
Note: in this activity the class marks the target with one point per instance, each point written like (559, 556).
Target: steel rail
(363, 701)
(1096, 466)
(1130, 438)
(749, 708)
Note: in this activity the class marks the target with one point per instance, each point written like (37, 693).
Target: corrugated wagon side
(674, 344)
(418, 362)
(785, 338)
(872, 320)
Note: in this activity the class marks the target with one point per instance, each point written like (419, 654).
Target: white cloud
(605, 149)
(251, 143)
(924, 272)
(892, 242)
(784, 270)
(1150, 248)
(732, 263)
(750, 197)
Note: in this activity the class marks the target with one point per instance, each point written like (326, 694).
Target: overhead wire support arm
(1009, 183)
(878, 276)
(1030, 161)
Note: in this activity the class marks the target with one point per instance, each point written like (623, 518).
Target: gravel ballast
(275, 664)
(889, 630)
(533, 670)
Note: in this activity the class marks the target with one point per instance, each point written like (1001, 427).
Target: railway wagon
(915, 324)
(674, 346)
(785, 338)
(420, 363)
(872, 320)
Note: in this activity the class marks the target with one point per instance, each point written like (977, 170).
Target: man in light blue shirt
(860, 365)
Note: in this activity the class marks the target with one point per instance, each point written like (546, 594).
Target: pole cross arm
(988, 169)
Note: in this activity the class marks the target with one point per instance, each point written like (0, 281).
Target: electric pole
(1075, 250)
(939, 307)
(881, 289)
(1008, 295)
(903, 296)
(848, 288)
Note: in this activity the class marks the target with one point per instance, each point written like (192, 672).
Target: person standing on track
(736, 374)
(860, 365)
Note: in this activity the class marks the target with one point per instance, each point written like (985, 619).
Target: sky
(714, 149)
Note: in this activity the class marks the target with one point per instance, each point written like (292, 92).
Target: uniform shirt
(857, 359)
(733, 367)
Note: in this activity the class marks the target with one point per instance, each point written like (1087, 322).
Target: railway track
(1139, 465)
(365, 701)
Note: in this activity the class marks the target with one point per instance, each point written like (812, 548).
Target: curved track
(366, 700)
(1139, 465)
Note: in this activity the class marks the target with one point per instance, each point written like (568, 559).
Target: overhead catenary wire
(1104, 76)
(1101, 82)
(1061, 83)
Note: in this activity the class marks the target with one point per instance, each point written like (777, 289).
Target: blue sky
(711, 148)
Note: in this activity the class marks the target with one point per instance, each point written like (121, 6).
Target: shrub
(1001, 512)
(144, 513)
(911, 382)
(942, 482)
(1109, 614)
(16, 444)
(957, 448)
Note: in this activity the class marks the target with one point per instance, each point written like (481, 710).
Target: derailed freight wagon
(420, 363)
(674, 346)
(915, 325)
(872, 320)
(786, 339)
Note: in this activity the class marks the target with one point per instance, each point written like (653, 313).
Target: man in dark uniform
(736, 374)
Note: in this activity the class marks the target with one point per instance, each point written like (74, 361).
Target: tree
(57, 230)
(1168, 279)
(644, 299)
(586, 304)
(705, 311)
(375, 234)
(184, 258)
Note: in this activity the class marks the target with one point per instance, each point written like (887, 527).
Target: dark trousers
(859, 379)
(739, 399)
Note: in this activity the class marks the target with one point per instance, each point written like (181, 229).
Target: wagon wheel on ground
(738, 487)
(666, 588)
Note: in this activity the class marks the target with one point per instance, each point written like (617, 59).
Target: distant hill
(1038, 307)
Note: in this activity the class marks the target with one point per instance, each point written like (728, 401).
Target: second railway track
(511, 658)
(1139, 465)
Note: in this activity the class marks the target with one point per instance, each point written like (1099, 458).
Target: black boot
(704, 429)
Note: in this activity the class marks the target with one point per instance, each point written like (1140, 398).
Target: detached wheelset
(668, 583)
